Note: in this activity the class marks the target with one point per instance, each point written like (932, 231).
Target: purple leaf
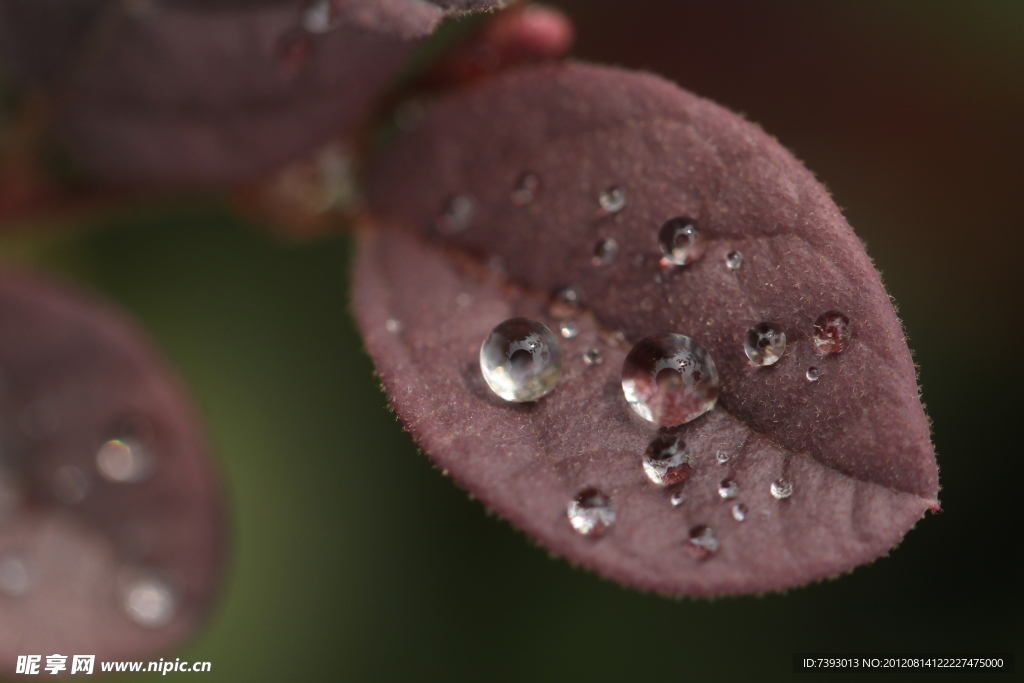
(495, 201)
(111, 530)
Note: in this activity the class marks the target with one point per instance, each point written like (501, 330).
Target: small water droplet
(456, 216)
(669, 379)
(149, 601)
(593, 356)
(667, 461)
(739, 512)
(605, 252)
(764, 344)
(569, 329)
(526, 189)
(782, 489)
(728, 489)
(677, 498)
(463, 300)
(591, 512)
(566, 303)
(813, 374)
(320, 16)
(613, 199)
(733, 260)
(680, 241)
(393, 325)
(703, 538)
(70, 484)
(15, 578)
(521, 360)
(124, 461)
(722, 457)
(831, 332)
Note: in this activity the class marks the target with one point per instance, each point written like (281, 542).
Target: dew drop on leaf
(566, 302)
(733, 260)
(703, 539)
(739, 512)
(782, 489)
(124, 460)
(591, 512)
(677, 498)
(728, 489)
(669, 379)
(764, 344)
(832, 332)
(393, 325)
(593, 356)
(613, 199)
(569, 329)
(680, 241)
(521, 360)
(813, 374)
(605, 252)
(667, 461)
(526, 189)
(149, 601)
(722, 457)
(456, 216)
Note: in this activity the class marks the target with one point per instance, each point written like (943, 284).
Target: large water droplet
(149, 601)
(605, 252)
(813, 374)
(764, 344)
(680, 241)
(733, 260)
(566, 303)
(124, 460)
(70, 485)
(613, 199)
(320, 16)
(526, 189)
(728, 489)
(782, 489)
(669, 379)
(667, 461)
(677, 498)
(521, 360)
(593, 356)
(591, 512)
(832, 332)
(739, 512)
(457, 214)
(15, 578)
(703, 538)
(568, 329)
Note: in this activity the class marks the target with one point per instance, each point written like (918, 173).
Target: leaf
(111, 528)
(854, 444)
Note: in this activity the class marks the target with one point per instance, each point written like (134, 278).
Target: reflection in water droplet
(393, 325)
(613, 199)
(832, 332)
(565, 303)
(70, 484)
(702, 538)
(593, 356)
(591, 512)
(677, 498)
(526, 189)
(680, 241)
(15, 578)
(568, 329)
(320, 16)
(728, 489)
(782, 489)
(669, 379)
(149, 601)
(739, 512)
(813, 374)
(124, 461)
(521, 360)
(667, 461)
(456, 215)
(764, 344)
(605, 252)
(733, 260)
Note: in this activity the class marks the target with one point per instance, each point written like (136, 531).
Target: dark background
(354, 559)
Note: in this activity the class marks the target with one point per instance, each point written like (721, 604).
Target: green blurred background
(353, 559)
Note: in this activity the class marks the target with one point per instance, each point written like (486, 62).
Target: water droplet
(677, 498)
(728, 489)
(565, 303)
(764, 344)
(70, 484)
(568, 329)
(320, 16)
(722, 457)
(521, 360)
(124, 461)
(667, 461)
(782, 489)
(591, 512)
(680, 241)
(393, 325)
(669, 379)
(613, 199)
(739, 512)
(463, 299)
(831, 332)
(593, 356)
(733, 260)
(15, 578)
(526, 189)
(456, 215)
(605, 252)
(149, 601)
(702, 538)
(813, 374)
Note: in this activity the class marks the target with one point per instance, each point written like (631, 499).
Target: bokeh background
(354, 559)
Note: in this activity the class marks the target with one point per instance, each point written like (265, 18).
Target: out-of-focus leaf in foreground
(111, 535)
(804, 469)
